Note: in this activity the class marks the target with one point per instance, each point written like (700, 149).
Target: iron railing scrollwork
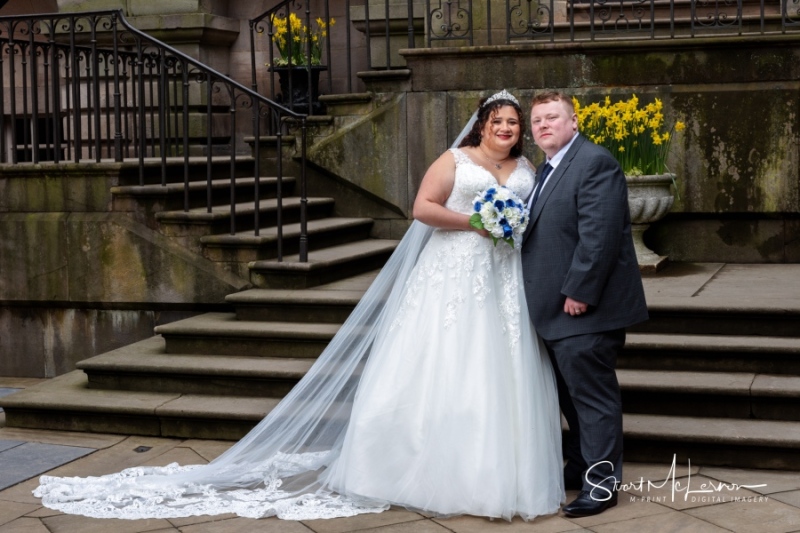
(89, 87)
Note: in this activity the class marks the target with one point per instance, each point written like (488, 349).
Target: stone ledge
(722, 431)
(226, 324)
(714, 343)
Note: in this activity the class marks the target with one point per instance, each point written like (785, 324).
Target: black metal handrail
(472, 23)
(338, 66)
(93, 87)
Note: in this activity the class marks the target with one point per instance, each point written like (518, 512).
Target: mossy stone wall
(737, 162)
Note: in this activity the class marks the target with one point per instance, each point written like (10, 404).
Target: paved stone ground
(697, 499)
(772, 507)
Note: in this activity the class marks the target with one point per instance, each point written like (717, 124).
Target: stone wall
(738, 180)
(79, 279)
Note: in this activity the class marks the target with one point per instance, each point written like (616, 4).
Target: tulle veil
(276, 468)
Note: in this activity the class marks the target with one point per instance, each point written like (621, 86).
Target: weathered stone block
(33, 257)
(351, 153)
(718, 240)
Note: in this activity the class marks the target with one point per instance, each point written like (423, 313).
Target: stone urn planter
(649, 199)
(293, 82)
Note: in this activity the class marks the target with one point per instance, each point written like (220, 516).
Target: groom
(583, 288)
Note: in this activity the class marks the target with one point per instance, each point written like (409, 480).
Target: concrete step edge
(225, 324)
(198, 365)
(721, 431)
(709, 305)
(713, 343)
(313, 296)
(748, 384)
(194, 186)
(270, 234)
(222, 212)
(329, 257)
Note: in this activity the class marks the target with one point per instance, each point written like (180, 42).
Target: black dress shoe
(585, 505)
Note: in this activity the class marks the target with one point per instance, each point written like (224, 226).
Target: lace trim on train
(142, 492)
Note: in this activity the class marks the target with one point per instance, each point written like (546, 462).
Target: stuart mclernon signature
(709, 491)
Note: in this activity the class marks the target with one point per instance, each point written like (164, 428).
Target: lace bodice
(472, 178)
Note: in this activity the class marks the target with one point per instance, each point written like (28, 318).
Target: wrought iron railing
(89, 86)
(377, 32)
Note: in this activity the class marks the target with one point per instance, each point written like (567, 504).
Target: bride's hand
(481, 232)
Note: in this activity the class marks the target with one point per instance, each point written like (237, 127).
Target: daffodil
(293, 39)
(636, 135)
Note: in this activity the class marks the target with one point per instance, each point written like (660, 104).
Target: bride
(435, 395)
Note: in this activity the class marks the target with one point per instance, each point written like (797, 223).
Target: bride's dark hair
(485, 112)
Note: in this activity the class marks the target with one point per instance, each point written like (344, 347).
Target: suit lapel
(552, 182)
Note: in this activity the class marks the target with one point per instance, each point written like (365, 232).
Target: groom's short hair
(553, 96)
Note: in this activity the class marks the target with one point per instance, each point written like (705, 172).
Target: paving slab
(669, 522)
(182, 456)
(775, 480)
(763, 516)
(364, 521)
(19, 383)
(193, 520)
(791, 498)
(208, 449)
(67, 438)
(24, 525)
(477, 524)
(133, 451)
(682, 280)
(10, 511)
(8, 444)
(418, 526)
(30, 459)
(762, 281)
(248, 525)
(22, 492)
(73, 523)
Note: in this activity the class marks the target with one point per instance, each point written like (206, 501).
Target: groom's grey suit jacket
(578, 244)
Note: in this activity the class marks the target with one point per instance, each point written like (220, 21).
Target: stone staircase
(215, 375)
(211, 376)
(715, 381)
(706, 381)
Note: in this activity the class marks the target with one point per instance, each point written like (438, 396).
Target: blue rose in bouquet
(501, 212)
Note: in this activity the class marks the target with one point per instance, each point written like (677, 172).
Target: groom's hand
(574, 307)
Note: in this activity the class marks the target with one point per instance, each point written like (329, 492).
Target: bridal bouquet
(501, 212)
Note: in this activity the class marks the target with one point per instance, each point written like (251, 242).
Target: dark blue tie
(540, 184)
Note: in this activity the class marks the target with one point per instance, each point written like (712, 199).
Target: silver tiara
(502, 95)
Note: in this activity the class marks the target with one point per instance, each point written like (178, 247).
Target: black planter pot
(294, 93)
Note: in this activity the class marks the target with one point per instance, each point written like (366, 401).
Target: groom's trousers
(589, 397)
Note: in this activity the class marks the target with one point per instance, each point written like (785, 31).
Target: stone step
(155, 198)
(721, 317)
(223, 334)
(323, 266)
(199, 222)
(198, 169)
(716, 353)
(657, 439)
(313, 305)
(145, 366)
(741, 395)
(66, 403)
(245, 246)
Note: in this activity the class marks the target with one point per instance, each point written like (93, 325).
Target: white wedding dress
(455, 411)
